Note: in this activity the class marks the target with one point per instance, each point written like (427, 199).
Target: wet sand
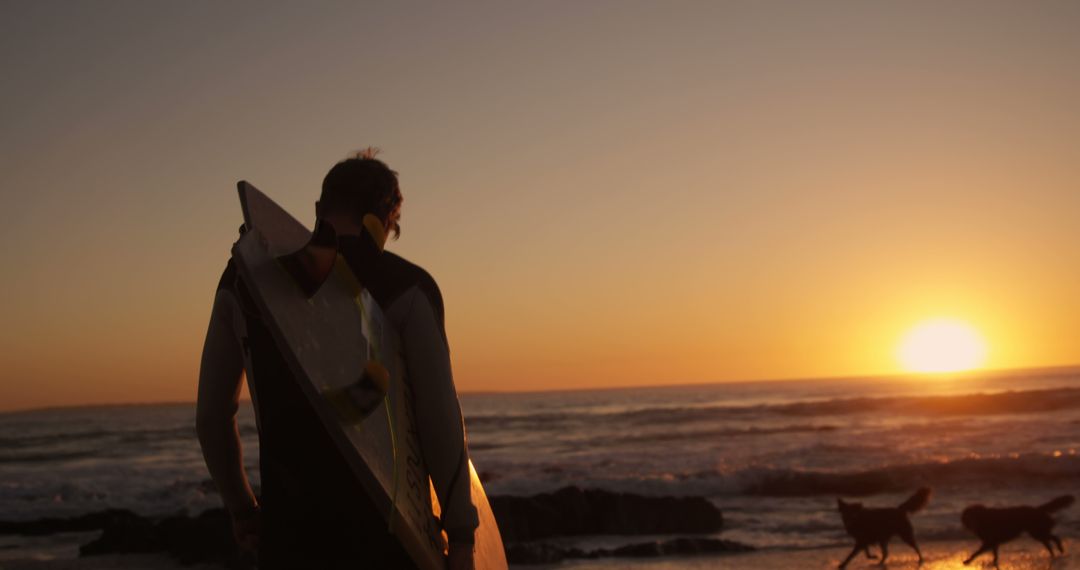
(107, 562)
(1018, 555)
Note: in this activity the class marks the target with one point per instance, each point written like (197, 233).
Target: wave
(119, 436)
(1030, 470)
(722, 432)
(976, 404)
(48, 456)
(1011, 402)
(34, 441)
(103, 432)
(95, 443)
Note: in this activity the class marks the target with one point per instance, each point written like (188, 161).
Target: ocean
(774, 456)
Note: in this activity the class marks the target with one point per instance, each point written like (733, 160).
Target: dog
(877, 526)
(995, 527)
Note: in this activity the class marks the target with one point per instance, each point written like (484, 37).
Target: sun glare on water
(942, 345)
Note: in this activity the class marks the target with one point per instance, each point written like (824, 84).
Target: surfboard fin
(311, 265)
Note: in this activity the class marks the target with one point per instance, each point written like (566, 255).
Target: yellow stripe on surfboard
(356, 292)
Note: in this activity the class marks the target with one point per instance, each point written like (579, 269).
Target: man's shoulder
(232, 283)
(393, 265)
(398, 275)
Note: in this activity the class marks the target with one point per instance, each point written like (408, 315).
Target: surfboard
(328, 341)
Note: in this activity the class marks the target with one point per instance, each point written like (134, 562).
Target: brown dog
(998, 526)
(877, 526)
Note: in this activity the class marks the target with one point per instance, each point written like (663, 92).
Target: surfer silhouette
(311, 512)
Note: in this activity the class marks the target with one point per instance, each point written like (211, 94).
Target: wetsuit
(314, 513)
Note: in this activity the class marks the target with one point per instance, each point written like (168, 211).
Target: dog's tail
(917, 501)
(1057, 504)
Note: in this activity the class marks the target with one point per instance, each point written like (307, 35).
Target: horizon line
(994, 372)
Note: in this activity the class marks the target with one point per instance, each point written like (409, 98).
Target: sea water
(774, 456)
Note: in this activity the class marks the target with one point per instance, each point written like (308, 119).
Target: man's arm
(220, 381)
(438, 414)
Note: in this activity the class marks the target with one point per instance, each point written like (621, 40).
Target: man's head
(362, 185)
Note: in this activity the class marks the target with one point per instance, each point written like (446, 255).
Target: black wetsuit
(314, 512)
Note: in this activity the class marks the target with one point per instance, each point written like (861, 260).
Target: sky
(609, 193)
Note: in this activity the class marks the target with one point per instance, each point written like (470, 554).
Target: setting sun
(942, 345)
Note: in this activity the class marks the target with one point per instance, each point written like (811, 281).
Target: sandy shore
(1020, 555)
(109, 562)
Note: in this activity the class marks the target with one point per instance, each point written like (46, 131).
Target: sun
(942, 345)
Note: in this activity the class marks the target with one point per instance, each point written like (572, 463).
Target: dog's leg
(1057, 541)
(1045, 537)
(909, 537)
(982, 548)
(917, 551)
(996, 555)
(869, 554)
(854, 551)
(884, 552)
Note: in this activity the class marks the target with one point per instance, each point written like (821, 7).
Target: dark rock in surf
(574, 512)
(87, 522)
(543, 553)
(125, 535)
(540, 553)
(204, 538)
(685, 546)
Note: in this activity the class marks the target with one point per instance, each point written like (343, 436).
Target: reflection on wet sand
(939, 555)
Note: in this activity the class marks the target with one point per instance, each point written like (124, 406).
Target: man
(312, 513)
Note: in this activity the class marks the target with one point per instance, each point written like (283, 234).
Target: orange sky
(609, 193)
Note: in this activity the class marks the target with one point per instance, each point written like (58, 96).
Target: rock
(540, 553)
(573, 512)
(685, 546)
(92, 521)
(205, 537)
(543, 553)
(125, 535)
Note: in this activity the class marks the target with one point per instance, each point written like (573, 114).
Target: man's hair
(363, 184)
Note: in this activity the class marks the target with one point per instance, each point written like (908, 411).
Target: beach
(940, 555)
(109, 562)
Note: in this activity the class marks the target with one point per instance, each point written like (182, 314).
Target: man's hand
(460, 557)
(246, 532)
